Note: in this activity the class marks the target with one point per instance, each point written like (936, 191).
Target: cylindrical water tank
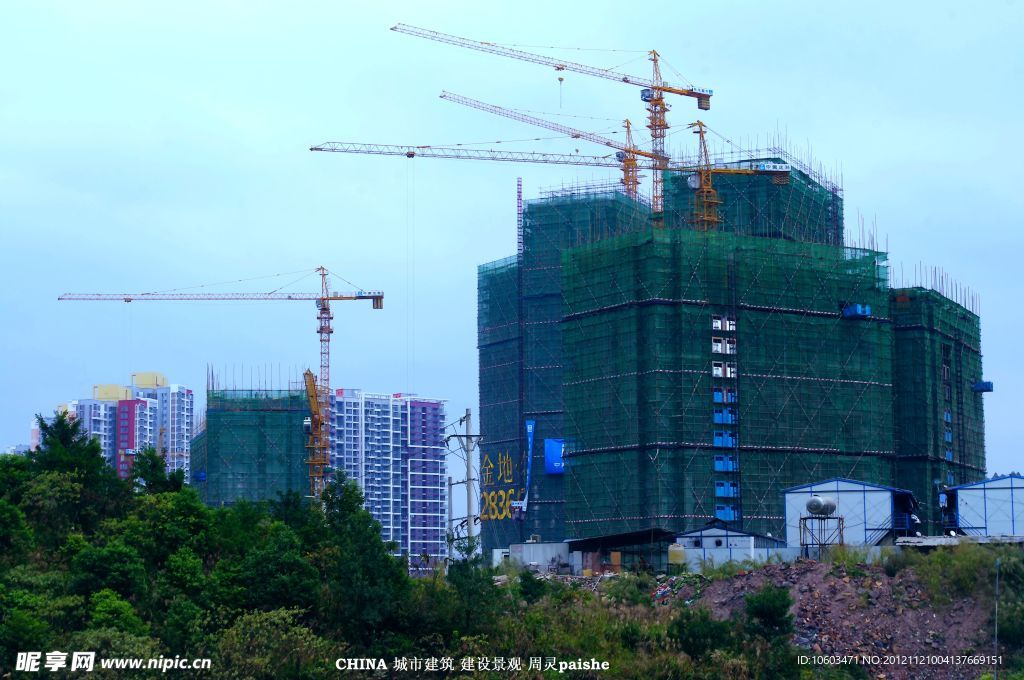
(676, 554)
(821, 505)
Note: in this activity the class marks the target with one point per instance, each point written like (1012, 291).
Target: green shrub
(767, 612)
(630, 589)
(531, 588)
(895, 561)
(851, 560)
(698, 634)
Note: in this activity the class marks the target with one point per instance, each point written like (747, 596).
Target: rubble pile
(686, 587)
(863, 611)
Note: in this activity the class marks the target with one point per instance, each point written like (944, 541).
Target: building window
(730, 345)
(724, 415)
(726, 490)
(726, 512)
(726, 464)
(723, 323)
(717, 369)
(949, 454)
(947, 416)
(723, 395)
(725, 439)
(717, 346)
(730, 370)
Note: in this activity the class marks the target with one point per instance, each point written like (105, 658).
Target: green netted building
(252, 447)
(641, 378)
(941, 421)
(706, 371)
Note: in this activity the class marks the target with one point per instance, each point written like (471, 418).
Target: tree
(767, 612)
(20, 631)
(698, 634)
(160, 524)
(149, 473)
(14, 473)
(109, 610)
(300, 515)
(274, 645)
(51, 502)
(366, 585)
(115, 567)
(480, 601)
(272, 574)
(769, 623)
(67, 452)
(15, 536)
(531, 588)
(109, 643)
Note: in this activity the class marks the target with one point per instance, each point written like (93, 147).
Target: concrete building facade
(392, 445)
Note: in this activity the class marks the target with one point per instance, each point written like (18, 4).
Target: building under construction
(253, 446)
(642, 377)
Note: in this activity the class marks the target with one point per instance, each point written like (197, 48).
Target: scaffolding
(253, 446)
(706, 372)
(941, 424)
(520, 345)
(686, 376)
(808, 207)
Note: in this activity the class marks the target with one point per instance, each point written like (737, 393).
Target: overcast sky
(149, 146)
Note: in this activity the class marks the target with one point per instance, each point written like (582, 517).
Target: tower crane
(652, 94)
(706, 201)
(318, 393)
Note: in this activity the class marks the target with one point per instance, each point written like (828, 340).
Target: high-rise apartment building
(174, 422)
(127, 419)
(136, 430)
(99, 419)
(393, 446)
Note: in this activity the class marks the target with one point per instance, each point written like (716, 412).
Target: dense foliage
(142, 568)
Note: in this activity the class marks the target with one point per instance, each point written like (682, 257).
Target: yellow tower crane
(652, 94)
(318, 394)
(705, 200)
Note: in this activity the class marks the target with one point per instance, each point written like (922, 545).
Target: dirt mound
(863, 611)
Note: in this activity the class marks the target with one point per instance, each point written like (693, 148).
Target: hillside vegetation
(283, 589)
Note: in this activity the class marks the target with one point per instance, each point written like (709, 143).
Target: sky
(151, 146)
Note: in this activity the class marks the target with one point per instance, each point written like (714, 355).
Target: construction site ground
(860, 611)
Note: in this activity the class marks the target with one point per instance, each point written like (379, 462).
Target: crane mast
(705, 200)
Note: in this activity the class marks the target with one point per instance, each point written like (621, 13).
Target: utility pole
(470, 492)
(466, 441)
(995, 636)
